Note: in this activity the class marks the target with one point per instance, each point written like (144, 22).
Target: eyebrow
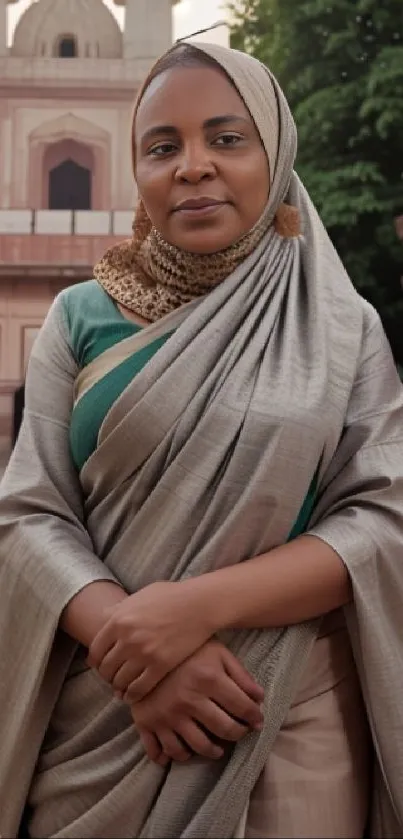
(213, 122)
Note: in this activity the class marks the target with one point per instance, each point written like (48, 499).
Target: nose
(195, 164)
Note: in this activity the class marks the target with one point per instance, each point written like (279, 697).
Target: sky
(189, 15)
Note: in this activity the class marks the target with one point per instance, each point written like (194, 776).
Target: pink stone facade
(23, 306)
(55, 110)
(33, 269)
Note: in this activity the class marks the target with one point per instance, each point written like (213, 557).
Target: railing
(66, 222)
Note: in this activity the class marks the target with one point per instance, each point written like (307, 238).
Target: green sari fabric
(95, 324)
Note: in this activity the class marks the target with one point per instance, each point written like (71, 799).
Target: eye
(228, 139)
(162, 149)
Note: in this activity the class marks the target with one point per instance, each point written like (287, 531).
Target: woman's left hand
(149, 634)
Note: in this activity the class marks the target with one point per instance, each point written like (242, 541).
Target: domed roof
(68, 28)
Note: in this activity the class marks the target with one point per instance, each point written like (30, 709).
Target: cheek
(255, 188)
(153, 187)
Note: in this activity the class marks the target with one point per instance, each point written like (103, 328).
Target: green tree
(340, 63)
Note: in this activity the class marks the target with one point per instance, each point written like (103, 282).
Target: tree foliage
(340, 63)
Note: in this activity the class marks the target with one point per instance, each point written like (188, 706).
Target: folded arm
(358, 519)
(358, 522)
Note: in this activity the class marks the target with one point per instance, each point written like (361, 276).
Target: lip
(199, 206)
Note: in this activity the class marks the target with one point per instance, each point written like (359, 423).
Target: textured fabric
(316, 782)
(90, 411)
(123, 351)
(278, 370)
(85, 717)
(152, 278)
(94, 322)
(96, 326)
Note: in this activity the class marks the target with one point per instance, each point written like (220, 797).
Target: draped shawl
(280, 374)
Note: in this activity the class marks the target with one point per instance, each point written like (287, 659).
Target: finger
(198, 740)
(151, 744)
(237, 703)
(101, 645)
(126, 674)
(172, 746)
(112, 663)
(221, 724)
(144, 684)
(241, 677)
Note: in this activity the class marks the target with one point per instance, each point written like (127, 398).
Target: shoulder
(377, 381)
(79, 299)
(374, 338)
(87, 311)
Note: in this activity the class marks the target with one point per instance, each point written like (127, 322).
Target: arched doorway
(69, 137)
(68, 170)
(70, 187)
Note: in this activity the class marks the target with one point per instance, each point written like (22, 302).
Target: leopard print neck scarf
(151, 278)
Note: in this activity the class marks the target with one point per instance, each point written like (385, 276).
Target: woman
(210, 467)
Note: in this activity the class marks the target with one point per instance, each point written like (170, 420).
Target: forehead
(188, 94)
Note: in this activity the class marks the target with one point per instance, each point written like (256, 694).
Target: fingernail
(218, 753)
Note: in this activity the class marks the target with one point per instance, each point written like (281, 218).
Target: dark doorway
(67, 48)
(69, 187)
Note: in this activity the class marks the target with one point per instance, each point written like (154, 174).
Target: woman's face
(201, 168)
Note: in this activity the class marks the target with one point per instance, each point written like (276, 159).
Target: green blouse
(94, 325)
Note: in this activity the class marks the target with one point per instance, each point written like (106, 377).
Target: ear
(287, 221)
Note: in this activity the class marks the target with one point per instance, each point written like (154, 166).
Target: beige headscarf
(151, 277)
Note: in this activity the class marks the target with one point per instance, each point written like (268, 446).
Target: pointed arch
(69, 137)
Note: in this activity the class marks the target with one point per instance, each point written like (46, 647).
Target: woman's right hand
(211, 688)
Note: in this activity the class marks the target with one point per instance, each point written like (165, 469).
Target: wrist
(208, 597)
(89, 609)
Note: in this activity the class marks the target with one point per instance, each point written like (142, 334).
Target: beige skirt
(316, 780)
